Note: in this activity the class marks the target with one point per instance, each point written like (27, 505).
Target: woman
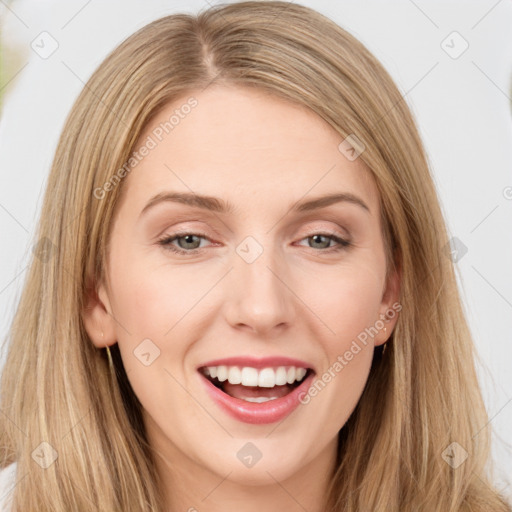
(256, 368)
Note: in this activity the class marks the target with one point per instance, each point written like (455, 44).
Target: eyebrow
(218, 205)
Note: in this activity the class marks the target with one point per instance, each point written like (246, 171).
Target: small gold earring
(109, 355)
(111, 366)
(110, 362)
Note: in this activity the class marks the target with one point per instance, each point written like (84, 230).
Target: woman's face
(248, 278)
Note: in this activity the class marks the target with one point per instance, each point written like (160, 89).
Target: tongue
(239, 391)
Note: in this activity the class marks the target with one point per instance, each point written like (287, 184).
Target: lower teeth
(259, 399)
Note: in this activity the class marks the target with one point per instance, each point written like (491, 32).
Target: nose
(259, 297)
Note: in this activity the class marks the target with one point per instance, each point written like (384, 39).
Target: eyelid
(341, 241)
(313, 230)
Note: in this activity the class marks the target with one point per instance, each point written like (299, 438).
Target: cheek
(351, 312)
(348, 302)
(153, 332)
(150, 300)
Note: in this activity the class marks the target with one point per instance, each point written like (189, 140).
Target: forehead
(247, 146)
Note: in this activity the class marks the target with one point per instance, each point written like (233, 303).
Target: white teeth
(299, 375)
(290, 376)
(267, 378)
(234, 375)
(281, 376)
(222, 373)
(248, 376)
(259, 399)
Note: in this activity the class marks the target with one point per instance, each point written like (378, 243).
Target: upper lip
(259, 363)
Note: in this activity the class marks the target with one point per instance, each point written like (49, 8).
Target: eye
(189, 246)
(189, 243)
(316, 238)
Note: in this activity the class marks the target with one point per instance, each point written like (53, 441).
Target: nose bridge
(260, 298)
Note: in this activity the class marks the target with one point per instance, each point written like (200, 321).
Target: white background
(462, 106)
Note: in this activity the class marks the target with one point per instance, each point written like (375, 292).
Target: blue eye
(342, 243)
(191, 242)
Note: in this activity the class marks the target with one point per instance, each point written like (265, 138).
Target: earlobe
(390, 307)
(98, 321)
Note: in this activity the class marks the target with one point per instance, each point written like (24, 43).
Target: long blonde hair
(422, 394)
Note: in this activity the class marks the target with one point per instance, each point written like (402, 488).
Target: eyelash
(166, 241)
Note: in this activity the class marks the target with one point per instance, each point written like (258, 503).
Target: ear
(97, 317)
(390, 307)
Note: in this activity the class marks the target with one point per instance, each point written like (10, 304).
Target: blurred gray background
(451, 59)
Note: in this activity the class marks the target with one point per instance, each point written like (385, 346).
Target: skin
(296, 299)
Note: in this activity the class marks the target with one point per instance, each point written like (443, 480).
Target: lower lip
(252, 412)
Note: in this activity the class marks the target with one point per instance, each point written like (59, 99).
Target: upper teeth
(265, 378)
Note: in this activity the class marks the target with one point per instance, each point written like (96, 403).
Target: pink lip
(252, 412)
(258, 363)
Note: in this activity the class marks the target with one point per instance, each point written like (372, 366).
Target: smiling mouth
(253, 385)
